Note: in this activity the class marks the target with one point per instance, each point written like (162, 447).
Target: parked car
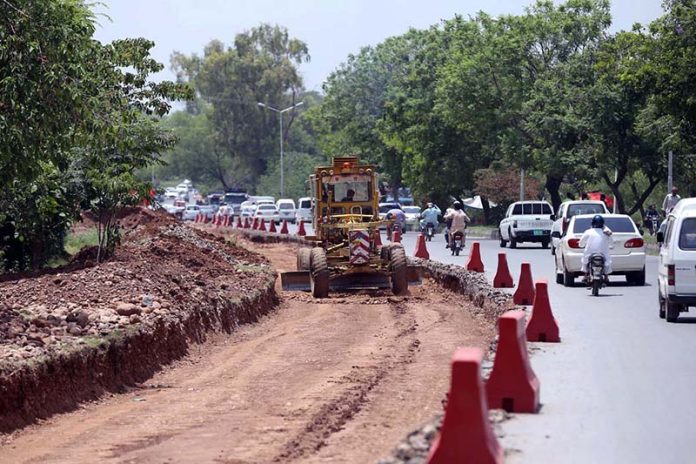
(527, 221)
(412, 217)
(304, 210)
(171, 193)
(267, 212)
(191, 212)
(260, 200)
(569, 209)
(627, 251)
(286, 209)
(247, 209)
(676, 272)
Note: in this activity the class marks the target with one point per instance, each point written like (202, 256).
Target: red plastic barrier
(205, 218)
(542, 326)
(262, 225)
(301, 230)
(421, 249)
(396, 236)
(524, 295)
(503, 278)
(272, 227)
(474, 262)
(284, 227)
(466, 436)
(239, 222)
(378, 238)
(255, 225)
(512, 386)
(197, 218)
(246, 223)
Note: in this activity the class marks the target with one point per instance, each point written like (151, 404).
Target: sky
(332, 29)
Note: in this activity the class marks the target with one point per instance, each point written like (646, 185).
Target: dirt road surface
(339, 380)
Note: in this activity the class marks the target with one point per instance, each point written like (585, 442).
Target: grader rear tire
(303, 259)
(319, 273)
(399, 270)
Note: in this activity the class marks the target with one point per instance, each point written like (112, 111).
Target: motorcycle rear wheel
(596, 284)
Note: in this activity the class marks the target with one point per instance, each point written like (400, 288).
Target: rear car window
(584, 209)
(687, 234)
(285, 206)
(517, 209)
(616, 224)
(387, 207)
(266, 207)
(306, 204)
(534, 208)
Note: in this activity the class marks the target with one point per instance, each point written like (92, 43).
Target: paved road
(620, 388)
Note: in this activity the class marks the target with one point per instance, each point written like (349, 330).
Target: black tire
(636, 278)
(319, 273)
(513, 241)
(544, 244)
(663, 304)
(671, 311)
(559, 278)
(568, 278)
(502, 243)
(304, 256)
(456, 252)
(553, 250)
(399, 270)
(596, 285)
(384, 253)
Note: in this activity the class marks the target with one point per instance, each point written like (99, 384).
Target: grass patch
(76, 241)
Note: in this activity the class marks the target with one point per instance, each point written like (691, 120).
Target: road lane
(619, 388)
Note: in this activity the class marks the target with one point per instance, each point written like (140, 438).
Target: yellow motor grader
(344, 253)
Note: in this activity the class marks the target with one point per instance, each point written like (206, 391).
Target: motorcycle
(653, 224)
(596, 278)
(429, 231)
(457, 243)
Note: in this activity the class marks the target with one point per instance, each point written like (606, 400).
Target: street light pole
(280, 120)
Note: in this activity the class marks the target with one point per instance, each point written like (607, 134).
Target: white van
(676, 275)
(304, 210)
(286, 209)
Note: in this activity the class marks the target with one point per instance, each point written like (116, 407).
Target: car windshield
(615, 224)
(412, 209)
(574, 210)
(687, 235)
(351, 191)
(286, 206)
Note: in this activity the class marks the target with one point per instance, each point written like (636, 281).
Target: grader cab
(344, 253)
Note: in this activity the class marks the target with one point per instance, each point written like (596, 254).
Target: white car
(191, 212)
(527, 221)
(247, 209)
(304, 210)
(171, 193)
(267, 212)
(412, 214)
(676, 271)
(569, 209)
(286, 209)
(627, 250)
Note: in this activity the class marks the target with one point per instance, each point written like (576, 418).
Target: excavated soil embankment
(70, 335)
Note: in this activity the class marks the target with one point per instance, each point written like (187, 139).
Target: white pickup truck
(527, 221)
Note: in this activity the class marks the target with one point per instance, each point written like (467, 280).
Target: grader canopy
(345, 253)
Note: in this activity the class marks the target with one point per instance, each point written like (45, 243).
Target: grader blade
(295, 281)
(359, 281)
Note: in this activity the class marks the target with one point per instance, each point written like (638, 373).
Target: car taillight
(574, 243)
(670, 274)
(566, 221)
(634, 243)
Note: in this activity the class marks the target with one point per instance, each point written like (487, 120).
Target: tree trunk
(616, 191)
(553, 185)
(640, 198)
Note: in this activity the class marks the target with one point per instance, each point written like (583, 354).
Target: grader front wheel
(319, 273)
(303, 259)
(399, 270)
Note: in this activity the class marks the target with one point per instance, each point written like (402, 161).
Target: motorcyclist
(399, 218)
(596, 240)
(650, 214)
(429, 215)
(459, 221)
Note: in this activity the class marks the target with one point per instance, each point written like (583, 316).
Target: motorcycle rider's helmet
(598, 221)
(457, 205)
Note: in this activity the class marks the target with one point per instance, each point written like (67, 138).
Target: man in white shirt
(670, 201)
(596, 239)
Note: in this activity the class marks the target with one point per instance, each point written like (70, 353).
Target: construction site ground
(336, 380)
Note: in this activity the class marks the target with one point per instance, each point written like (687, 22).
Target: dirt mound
(162, 276)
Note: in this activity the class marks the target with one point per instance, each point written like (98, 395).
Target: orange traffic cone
(503, 278)
(542, 326)
(246, 223)
(262, 225)
(378, 238)
(524, 295)
(255, 225)
(284, 227)
(396, 236)
(239, 222)
(272, 227)
(301, 231)
(474, 262)
(421, 249)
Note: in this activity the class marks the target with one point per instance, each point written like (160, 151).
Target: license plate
(538, 232)
(458, 243)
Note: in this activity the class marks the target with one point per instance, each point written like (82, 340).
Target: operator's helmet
(598, 221)
(457, 205)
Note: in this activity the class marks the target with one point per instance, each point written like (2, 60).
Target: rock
(147, 300)
(80, 317)
(74, 329)
(134, 319)
(127, 309)
(156, 305)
